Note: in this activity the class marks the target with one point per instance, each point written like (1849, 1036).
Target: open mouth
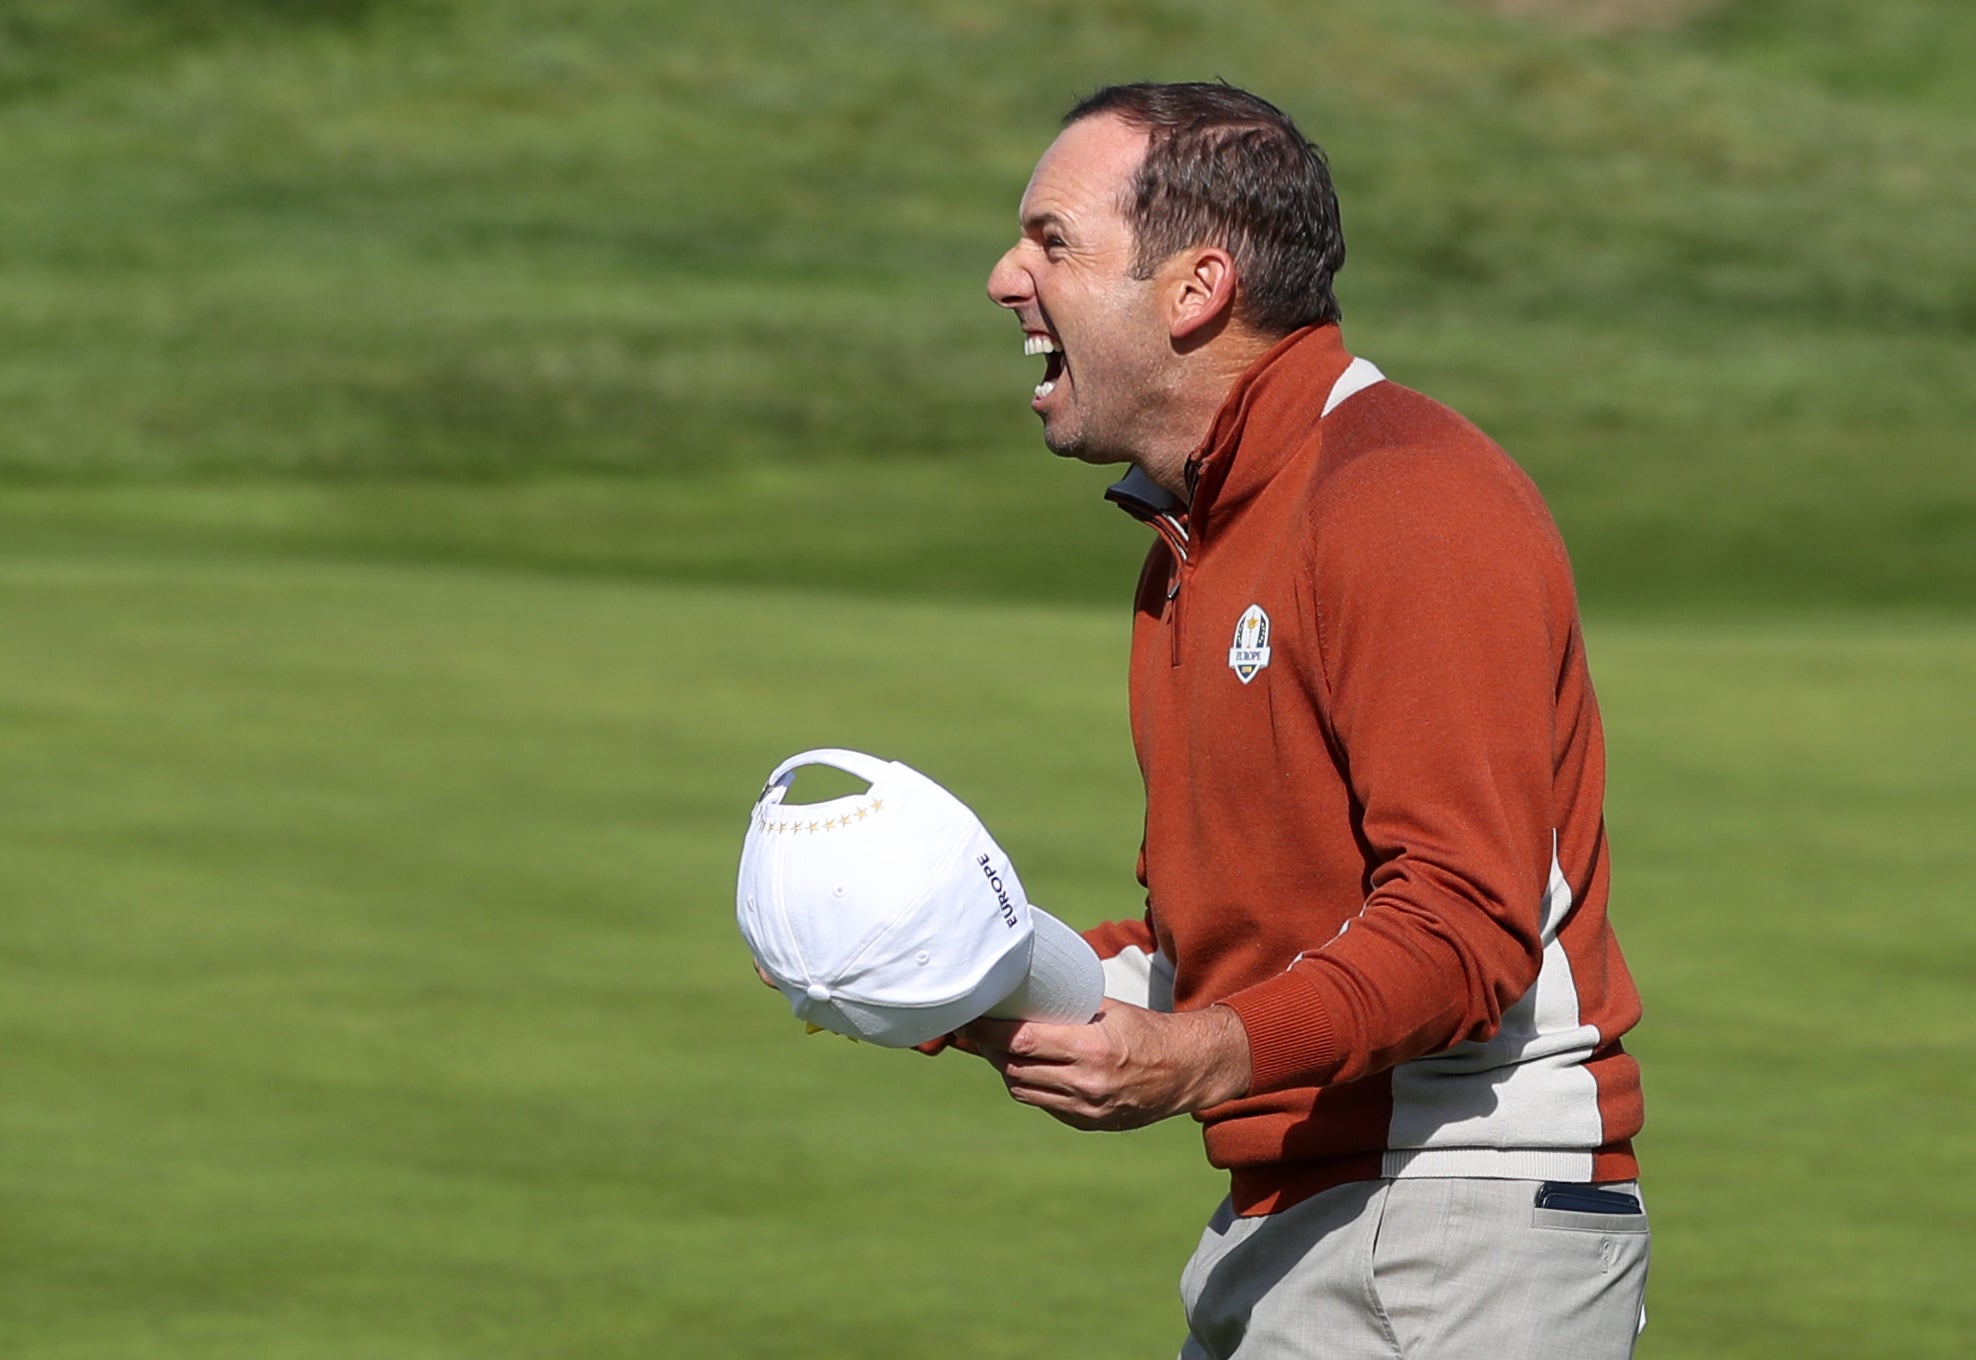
(1053, 362)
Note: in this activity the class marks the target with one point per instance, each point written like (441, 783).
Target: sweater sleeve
(1116, 937)
(1442, 601)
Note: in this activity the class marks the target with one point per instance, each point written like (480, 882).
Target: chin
(1062, 445)
(1077, 446)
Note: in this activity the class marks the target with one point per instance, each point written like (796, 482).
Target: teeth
(1038, 344)
(1043, 389)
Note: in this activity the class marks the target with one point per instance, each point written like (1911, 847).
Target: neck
(1203, 380)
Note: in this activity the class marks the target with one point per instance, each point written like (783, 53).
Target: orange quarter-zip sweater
(1374, 778)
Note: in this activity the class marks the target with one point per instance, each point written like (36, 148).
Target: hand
(1127, 1068)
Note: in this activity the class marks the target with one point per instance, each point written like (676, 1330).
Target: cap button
(818, 992)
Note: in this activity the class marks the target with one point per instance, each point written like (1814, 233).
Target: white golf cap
(893, 917)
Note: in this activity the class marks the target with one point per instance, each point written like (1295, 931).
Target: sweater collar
(1275, 400)
(1270, 413)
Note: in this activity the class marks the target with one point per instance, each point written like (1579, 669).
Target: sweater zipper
(1174, 532)
(1146, 503)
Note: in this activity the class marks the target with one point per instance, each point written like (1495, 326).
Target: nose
(1009, 284)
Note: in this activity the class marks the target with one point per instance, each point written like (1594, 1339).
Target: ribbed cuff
(1292, 1041)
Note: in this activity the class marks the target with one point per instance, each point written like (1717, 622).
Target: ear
(1200, 290)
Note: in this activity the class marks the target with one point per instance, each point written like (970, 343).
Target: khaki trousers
(1418, 1269)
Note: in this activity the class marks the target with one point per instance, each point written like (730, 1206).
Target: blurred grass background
(449, 452)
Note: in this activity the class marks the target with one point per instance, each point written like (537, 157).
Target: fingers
(1128, 1068)
(1068, 1094)
(996, 1035)
(1036, 1040)
(1059, 1069)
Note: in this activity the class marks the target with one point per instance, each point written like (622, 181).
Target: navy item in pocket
(1577, 1198)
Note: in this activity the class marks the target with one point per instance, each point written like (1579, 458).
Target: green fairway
(450, 450)
(372, 986)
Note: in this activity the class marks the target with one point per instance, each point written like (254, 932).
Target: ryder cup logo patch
(1250, 651)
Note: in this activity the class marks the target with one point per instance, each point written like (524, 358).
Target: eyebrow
(1036, 222)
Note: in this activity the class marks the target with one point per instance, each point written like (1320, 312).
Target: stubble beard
(1079, 445)
(1098, 436)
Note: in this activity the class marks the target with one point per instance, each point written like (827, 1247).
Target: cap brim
(1066, 983)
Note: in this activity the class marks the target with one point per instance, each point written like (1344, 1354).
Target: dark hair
(1226, 168)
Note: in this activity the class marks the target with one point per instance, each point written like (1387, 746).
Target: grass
(372, 986)
(1720, 305)
(450, 452)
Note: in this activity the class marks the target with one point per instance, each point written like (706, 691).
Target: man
(1375, 962)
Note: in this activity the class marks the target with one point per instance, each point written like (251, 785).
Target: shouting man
(1375, 962)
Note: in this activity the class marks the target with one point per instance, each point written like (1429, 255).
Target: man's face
(1069, 282)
